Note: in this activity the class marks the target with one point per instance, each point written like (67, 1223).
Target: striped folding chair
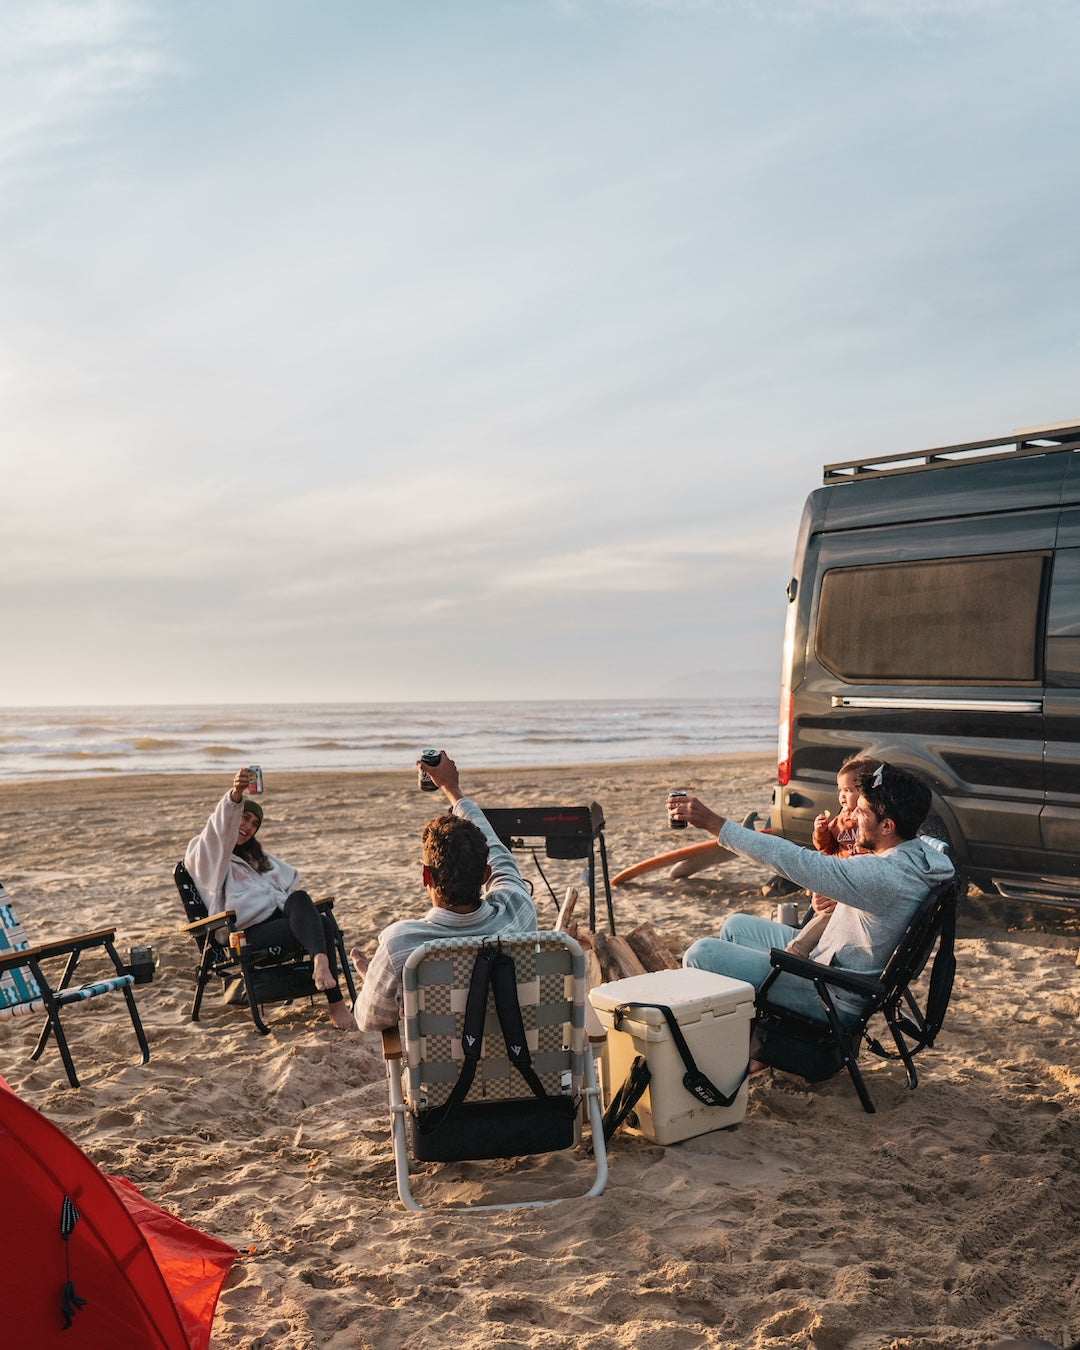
(26, 988)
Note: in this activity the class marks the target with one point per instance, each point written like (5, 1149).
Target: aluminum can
(424, 782)
(672, 822)
(256, 784)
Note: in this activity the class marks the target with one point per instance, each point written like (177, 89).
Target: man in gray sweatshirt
(876, 891)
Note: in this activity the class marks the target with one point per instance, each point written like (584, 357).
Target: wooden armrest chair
(816, 1050)
(259, 975)
(25, 986)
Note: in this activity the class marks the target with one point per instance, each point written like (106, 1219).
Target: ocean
(41, 743)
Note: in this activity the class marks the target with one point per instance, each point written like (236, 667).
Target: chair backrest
(933, 922)
(921, 932)
(194, 904)
(18, 985)
(550, 975)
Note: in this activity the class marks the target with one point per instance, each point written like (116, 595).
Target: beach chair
(25, 986)
(249, 974)
(492, 1060)
(817, 1050)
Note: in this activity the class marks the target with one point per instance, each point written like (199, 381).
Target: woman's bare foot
(321, 973)
(359, 961)
(756, 1066)
(341, 1016)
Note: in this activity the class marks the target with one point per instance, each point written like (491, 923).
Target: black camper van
(934, 621)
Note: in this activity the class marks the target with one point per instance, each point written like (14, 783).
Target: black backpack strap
(508, 1008)
(694, 1080)
(472, 1039)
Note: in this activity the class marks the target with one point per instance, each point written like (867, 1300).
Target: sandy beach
(948, 1219)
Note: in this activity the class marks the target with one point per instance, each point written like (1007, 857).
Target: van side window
(1063, 629)
(971, 620)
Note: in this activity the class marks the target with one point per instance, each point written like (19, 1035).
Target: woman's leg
(306, 925)
(314, 933)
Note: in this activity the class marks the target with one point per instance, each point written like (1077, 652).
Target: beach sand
(949, 1218)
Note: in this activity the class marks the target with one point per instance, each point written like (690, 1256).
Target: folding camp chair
(816, 1050)
(26, 988)
(495, 1061)
(259, 974)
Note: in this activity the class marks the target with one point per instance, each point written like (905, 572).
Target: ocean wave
(343, 737)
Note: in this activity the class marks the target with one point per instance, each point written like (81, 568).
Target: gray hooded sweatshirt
(876, 893)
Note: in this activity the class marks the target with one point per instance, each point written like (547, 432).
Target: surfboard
(694, 856)
(688, 866)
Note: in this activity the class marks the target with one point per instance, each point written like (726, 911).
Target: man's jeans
(742, 952)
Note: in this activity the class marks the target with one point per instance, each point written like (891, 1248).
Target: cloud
(502, 326)
(60, 63)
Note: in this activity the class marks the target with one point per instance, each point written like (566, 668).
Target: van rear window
(975, 620)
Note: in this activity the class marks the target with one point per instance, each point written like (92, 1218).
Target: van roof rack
(1044, 440)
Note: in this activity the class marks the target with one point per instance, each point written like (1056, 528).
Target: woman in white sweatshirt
(233, 871)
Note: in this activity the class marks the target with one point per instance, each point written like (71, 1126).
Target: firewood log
(625, 957)
(566, 909)
(609, 962)
(650, 951)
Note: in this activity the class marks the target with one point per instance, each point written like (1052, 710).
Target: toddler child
(838, 836)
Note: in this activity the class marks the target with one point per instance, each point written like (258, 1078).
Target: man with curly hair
(474, 887)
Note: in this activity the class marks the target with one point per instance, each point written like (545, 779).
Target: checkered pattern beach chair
(26, 988)
(501, 1115)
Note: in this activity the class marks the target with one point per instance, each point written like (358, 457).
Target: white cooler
(713, 1012)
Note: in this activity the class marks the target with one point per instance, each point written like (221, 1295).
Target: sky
(454, 349)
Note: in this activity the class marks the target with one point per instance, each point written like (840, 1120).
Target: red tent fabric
(148, 1279)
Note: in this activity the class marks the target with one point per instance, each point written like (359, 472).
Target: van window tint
(976, 620)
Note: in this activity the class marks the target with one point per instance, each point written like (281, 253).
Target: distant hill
(720, 684)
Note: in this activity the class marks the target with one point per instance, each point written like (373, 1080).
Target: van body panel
(949, 493)
(968, 674)
(1061, 702)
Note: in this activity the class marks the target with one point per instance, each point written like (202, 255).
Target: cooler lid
(687, 991)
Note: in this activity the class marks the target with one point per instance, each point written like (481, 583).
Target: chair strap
(628, 1096)
(494, 969)
(942, 975)
(503, 977)
(694, 1080)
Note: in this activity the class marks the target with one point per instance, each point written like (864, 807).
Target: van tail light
(783, 749)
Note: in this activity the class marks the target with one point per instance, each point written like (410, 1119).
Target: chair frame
(399, 1052)
(239, 961)
(52, 998)
(889, 994)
